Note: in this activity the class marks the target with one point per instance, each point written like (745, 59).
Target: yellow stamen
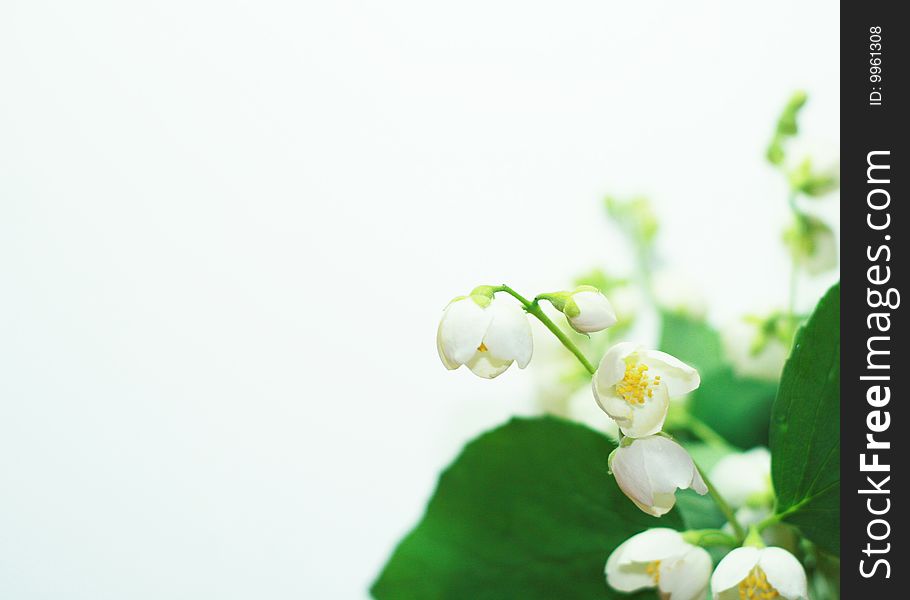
(637, 386)
(653, 569)
(482, 347)
(756, 587)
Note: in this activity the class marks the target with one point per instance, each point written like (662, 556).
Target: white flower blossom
(634, 386)
(588, 311)
(742, 477)
(759, 573)
(485, 334)
(651, 469)
(660, 558)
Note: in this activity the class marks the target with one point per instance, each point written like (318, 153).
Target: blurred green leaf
(738, 408)
(805, 429)
(526, 511)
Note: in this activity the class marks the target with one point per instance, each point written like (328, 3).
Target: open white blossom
(634, 386)
(588, 311)
(580, 408)
(744, 477)
(760, 573)
(660, 558)
(651, 469)
(485, 334)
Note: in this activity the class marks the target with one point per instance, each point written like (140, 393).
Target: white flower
(743, 477)
(763, 362)
(588, 310)
(651, 469)
(485, 334)
(660, 558)
(759, 573)
(634, 386)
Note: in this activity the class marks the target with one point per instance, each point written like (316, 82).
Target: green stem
(533, 307)
(705, 433)
(723, 506)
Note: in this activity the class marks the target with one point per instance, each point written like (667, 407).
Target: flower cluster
(663, 559)
(634, 386)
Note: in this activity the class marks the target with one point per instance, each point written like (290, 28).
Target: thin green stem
(723, 506)
(705, 433)
(533, 307)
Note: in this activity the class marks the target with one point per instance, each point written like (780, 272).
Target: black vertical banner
(874, 432)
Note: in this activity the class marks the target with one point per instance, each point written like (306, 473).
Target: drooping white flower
(759, 573)
(651, 469)
(660, 558)
(634, 386)
(485, 334)
(744, 477)
(588, 311)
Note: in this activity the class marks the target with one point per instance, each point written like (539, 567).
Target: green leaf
(526, 511)
(738, 408)
(805, 429)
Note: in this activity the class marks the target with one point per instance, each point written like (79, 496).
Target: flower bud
(588, 311)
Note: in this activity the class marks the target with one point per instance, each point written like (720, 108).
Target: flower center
(482, 347)
(756, 587)
(653, 569)
(637, 386)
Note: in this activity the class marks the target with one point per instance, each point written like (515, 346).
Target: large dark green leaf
(805, 428)
(527, 511)
(738, 408)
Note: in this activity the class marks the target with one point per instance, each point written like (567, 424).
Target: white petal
(612, 367)
(631, 475)
(658, 543)
(648, 418)
(595, 312)
(679, 377)
(508, 336)
(670, 467)
(785, 573)
(618, 409)
(461, 330)
(449, 363)
(733, 568)
(626, 566)
(483, 364)
(628, 578)
(687, 577)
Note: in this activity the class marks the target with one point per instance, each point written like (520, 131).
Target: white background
(227, 230)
